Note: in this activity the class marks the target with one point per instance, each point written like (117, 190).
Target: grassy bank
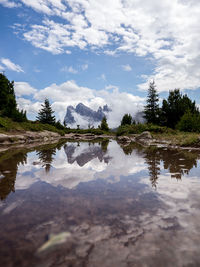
(159, 133)
(184, 139)
(8, 125)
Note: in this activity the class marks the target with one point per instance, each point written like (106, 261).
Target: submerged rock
(55, 240)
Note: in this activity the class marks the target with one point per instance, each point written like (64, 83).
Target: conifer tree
(127, 119)
(175, 107)
(104, 125)
(7, 96)
(45, 114)
(8, 104)
(151, 110)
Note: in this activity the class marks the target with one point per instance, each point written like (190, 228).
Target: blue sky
(99, 52)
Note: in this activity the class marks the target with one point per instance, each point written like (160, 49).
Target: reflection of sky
(117, 210)
(70, 175)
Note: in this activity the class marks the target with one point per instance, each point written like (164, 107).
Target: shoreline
(31, 139)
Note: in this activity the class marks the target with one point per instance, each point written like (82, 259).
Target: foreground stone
(144, 139)
(29, 139)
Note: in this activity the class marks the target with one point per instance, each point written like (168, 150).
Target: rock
(124, 139)
(87, 115)
(144, 138)
(3, 138)
(144, 135)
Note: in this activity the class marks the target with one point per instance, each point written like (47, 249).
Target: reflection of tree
(153, 160)
(177, 162)
(46, 157)
(8, 170)
(128, 149)
(104, 145)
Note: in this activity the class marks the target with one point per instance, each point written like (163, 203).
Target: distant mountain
(84, 115)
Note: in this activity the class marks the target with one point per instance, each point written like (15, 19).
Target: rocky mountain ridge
(84, 115)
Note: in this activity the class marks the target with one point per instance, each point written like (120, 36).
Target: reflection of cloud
(148, 227)
(70, 175)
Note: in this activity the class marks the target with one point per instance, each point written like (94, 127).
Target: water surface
(98, 204)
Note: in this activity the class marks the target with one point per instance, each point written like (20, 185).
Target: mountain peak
(84, 115)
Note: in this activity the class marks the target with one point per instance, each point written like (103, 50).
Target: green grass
(179, 138)
(8, 125)
(174, 137)
(139, 128)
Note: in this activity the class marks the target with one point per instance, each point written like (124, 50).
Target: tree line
(178, 111)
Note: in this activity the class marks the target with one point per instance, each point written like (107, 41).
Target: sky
(99, 52)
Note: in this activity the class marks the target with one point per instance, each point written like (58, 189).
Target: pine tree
(45, 115)
(127, 119)
(7, 97)
(175, 107)
(8, 104)
(151, 110)
(104, 125)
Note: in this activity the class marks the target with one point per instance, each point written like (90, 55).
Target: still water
(98, 204)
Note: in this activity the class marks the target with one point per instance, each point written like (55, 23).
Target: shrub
(139, 128)
(189, 122)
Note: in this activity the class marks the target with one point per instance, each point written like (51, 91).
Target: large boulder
(144, 138)
(145, 135)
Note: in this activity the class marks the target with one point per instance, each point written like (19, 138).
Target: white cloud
(84, 67)
(31, 108)
(103, 77)
(69, 69)
(168, 31)
(10, 65)
(24, 88)
(68, 52)
(1, 68)
(9, 4)
(69, 93)
(126, 67)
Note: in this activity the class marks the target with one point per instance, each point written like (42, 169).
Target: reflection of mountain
(8, 171)
(84, 155)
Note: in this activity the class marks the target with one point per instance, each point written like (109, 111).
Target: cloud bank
(70, 93)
